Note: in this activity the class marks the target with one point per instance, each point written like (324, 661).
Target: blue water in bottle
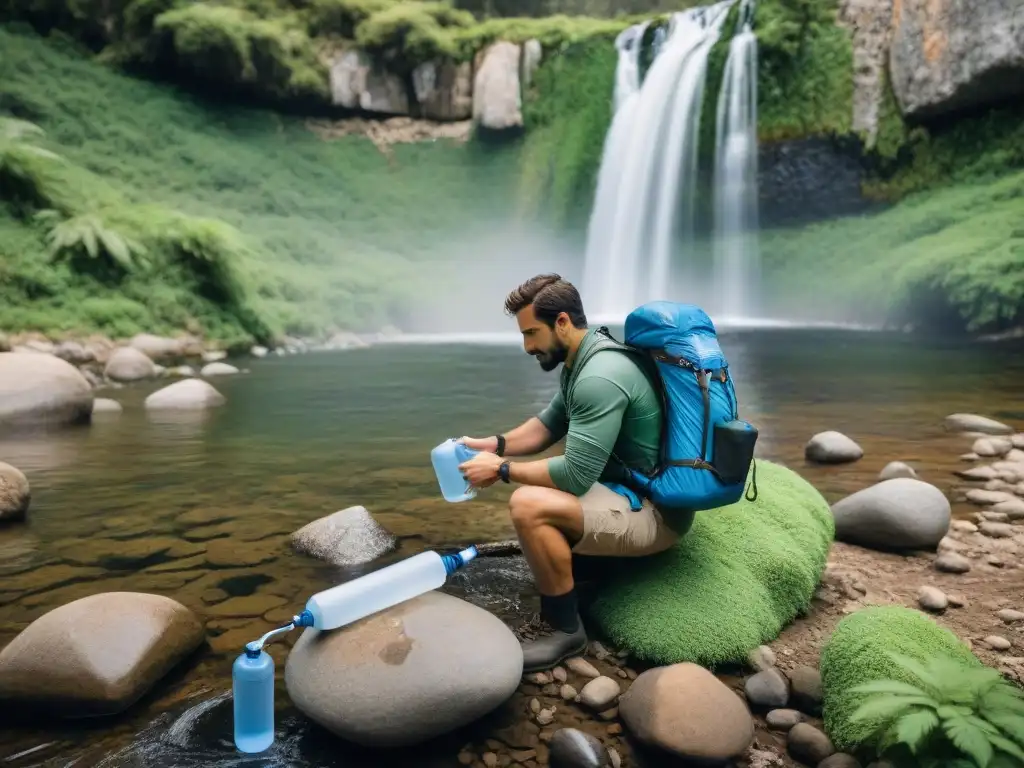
(253, 687)
(446, 459)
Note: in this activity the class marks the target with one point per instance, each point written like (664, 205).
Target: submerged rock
(42, 389)
(348, 537)
(893, 514)
(218, 369)
(15, 493)
(687, 711)
(406, 674)
(106, 405)
(832, 448)
(896, 469)
(186, 394)
(97, 655)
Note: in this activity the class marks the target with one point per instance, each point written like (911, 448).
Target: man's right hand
(489, 444)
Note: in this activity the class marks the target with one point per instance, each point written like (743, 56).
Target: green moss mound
(856, 654)
(732, 582)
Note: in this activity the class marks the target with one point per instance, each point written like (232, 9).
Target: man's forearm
(528, 438)
(530, 473)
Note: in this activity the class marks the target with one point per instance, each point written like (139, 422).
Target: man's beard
(550, 358)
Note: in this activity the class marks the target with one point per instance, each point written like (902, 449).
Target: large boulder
(406, 674)
(187, 394)
(953, 55)
(15, 493)
(444, 90)
(42, 389)
(687, 711)
(97, 655)
(348, 537)
(896, 514)
(739, 575)
(157, 347)
(129, 364)
(497, 99)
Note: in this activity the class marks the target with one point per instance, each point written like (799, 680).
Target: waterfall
(736, 250)
(647, 182)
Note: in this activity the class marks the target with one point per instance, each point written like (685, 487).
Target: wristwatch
(503, 471)
(501, 444)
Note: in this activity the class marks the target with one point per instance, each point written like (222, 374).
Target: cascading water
(736, 250)
(648, 178)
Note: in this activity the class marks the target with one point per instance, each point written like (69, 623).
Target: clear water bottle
(381, 589)
(252, 678)
(446, 459)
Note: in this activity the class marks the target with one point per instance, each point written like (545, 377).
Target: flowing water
(116, 505)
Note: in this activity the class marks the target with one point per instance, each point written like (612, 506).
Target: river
(303, 436)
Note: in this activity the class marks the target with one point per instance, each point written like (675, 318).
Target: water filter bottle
(381, 589)
(446, 459)
(252, 682)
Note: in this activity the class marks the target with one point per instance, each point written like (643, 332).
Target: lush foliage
(950, 716)
(249, 222)
(732, 582)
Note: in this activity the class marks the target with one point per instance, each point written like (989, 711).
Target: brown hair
(550, 295)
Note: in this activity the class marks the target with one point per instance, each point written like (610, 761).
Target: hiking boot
(545, 647)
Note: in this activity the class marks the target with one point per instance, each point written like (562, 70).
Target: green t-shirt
(614, 408)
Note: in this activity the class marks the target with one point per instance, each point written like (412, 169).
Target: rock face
(832, 448)
(894, 514)
(15, 493)
(129, 364)
(951, 55)
(444, 90)
(687, 711)
(870, 24)
(348, 537)
(97, 655)
(356, 83)
(185, 394)
(497, 99)
(42, 389)
(406, 674)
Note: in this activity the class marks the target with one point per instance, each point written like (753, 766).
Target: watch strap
(501, 444)
(503, 471)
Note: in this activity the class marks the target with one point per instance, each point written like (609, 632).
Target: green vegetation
(238, 224)
(897, 682)
(732, 582)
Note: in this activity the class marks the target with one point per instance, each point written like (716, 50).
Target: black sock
(561, 611)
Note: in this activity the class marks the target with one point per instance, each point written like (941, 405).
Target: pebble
(995, 561)
(545, 717)
(932, 599)
(490, 759)
(535, 706)
(582, 667)
(466, 758)
(599, 693)
(621, 673)
(805, 684)
(993, 517)
(761, 658)
(568, 693)
(613, 757)
(997, 643)
(808, 745)
(783, 719)
(956, 601)
(539, 678)
(572, 748)
(952, 562)
(964, 526)
(840, 760)
(896, 469)
(996, 530)
(599, 651)
(768, 689)
(559, 674)
(1009, 615)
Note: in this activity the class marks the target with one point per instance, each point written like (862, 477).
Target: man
(607, 410)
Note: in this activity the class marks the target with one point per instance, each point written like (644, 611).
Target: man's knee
(527, 506)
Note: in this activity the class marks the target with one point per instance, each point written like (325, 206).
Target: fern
(954, 716)
(87, 235)
(25, 167)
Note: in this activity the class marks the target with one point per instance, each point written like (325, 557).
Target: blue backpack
(706, 449)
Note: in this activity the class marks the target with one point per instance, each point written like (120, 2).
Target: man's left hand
(482, 470)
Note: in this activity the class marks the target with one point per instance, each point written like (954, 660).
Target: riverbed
(116, 505)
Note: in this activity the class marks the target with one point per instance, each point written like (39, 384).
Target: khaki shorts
(611, 528)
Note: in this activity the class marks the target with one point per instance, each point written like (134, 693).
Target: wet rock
(600, 693)
(359, 83)
(128, 364)
(991, 446)
(784, 719)
(840, 760)
(580, 666)
(1012, 508)
(545, 717)
(832, 448)
(996, 530)
(932, 599)
(406, 674)
(104, 405)
(963, 526)
(767, 689)
(893, 514)
(15, 493)
(74, 353)
(42, 389)
(986, 498)
(952, 562)
(808, 745)
(558, 674)
(805, 689)
(258, 350)
(567, 692)
(497, 104)
(572, 748)
(188, 394)
(157, 347)
(217, 369)
(444, 90)
(978, 473)
(97, 655)
(997, 643)
(896, 469)
(761, 658)
(971, 422)
(348, 537)
(687, 711)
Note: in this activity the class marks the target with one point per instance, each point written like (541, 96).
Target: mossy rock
(733, 582)
(858, 651)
